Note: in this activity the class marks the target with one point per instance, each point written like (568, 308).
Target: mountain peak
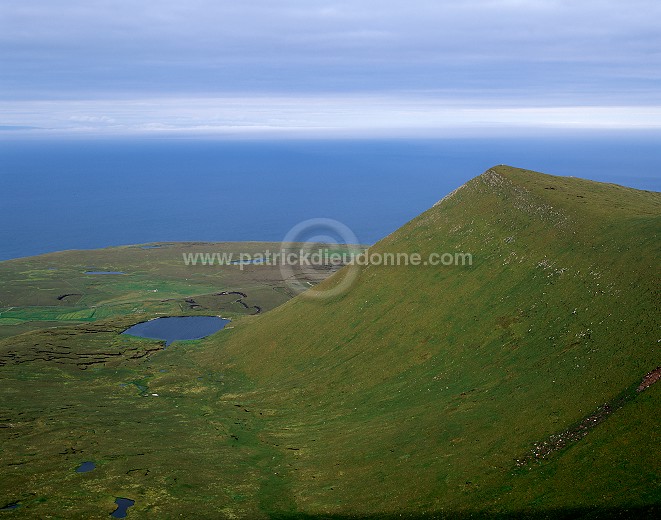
(455, 374)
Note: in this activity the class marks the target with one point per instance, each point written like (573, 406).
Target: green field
(508, 388)
(53, 289)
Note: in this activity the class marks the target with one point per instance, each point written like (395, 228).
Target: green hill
(519, 383)
(420, 388)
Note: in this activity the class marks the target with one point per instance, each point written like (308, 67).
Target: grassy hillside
(420, 388)
(505, 388)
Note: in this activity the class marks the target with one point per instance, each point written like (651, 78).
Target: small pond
(104, 272)
(245, 262)
(85, 467)
(122, 505)
(177, 328)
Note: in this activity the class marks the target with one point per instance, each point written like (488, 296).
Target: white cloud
(360, 115)
(218, 64)
(91, 119)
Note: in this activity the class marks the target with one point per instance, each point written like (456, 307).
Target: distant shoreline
(150, 246)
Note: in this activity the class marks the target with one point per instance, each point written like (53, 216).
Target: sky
(311, 67)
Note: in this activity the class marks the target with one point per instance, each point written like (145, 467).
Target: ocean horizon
(86, 194)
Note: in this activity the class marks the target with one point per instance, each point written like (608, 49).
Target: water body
(246, 262)
(86, 467)
(80, 194)
(122, 505)
(178, 328)
(10, 506)
(104, 272)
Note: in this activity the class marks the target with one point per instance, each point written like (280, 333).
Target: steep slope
(506, 385)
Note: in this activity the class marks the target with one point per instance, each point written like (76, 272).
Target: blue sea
(80, 194)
